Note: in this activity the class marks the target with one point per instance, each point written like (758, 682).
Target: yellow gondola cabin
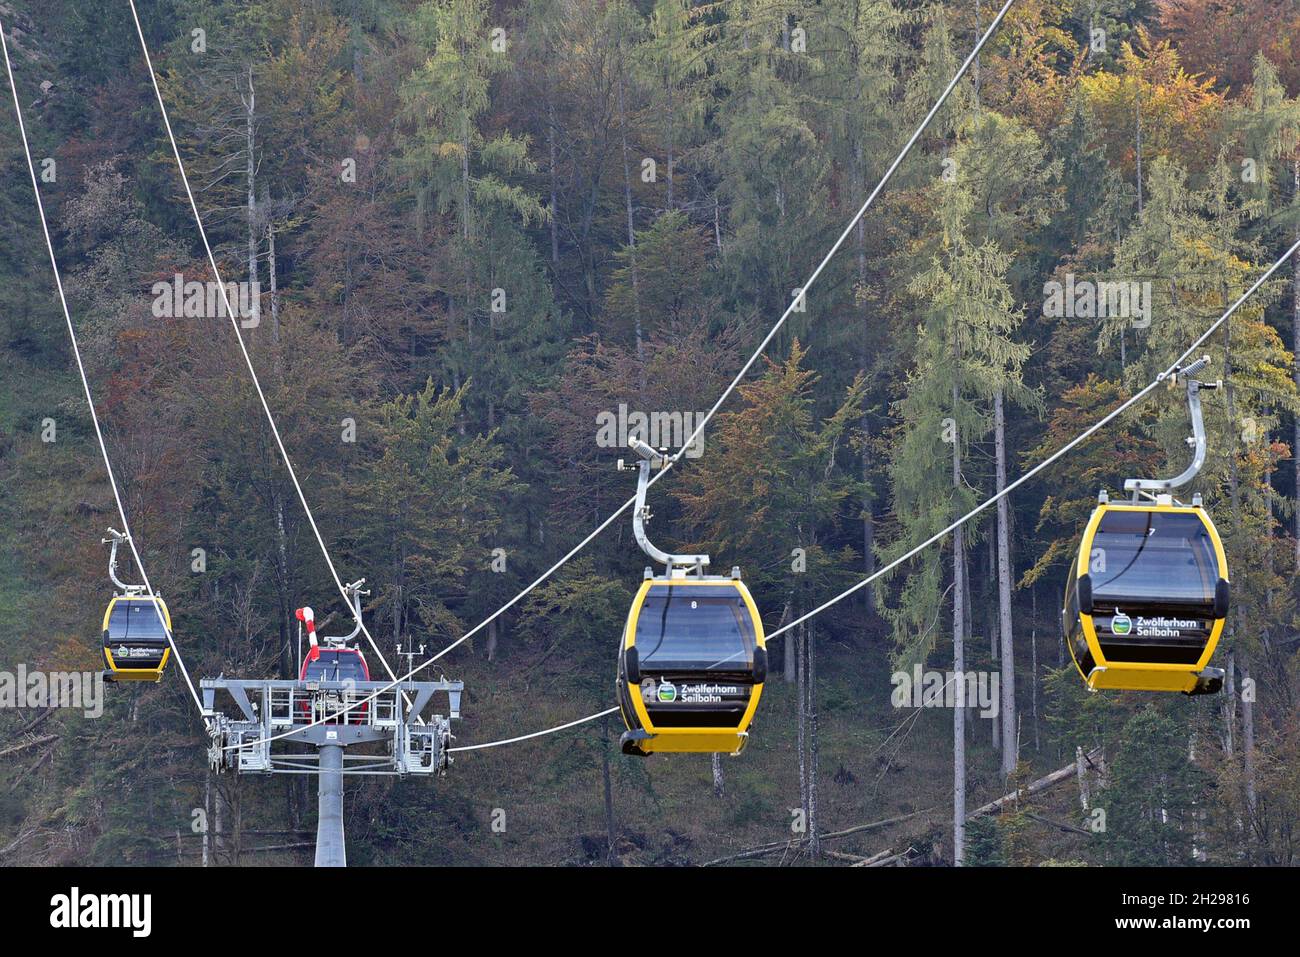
(135, 638)
(1146, 600)
(691, 667)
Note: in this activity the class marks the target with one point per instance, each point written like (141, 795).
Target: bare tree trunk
(860, 230)
(968, 623)
(1248, 711)
(207, 818)
(275, 289)
(464, 172)
(281, 533)
(237, 807)
(719, 783)
(282, 578)
(672, 144)
(1137, 122)
(788, 662)
(217, 822)
(631, 224)
(254, 228)
(958, 665)
(868, 517)
(995, 647)
(464, 259)
(1033, 647)
(717, 224)
(610, 857)
(814, 816)
(868, 523)
(1248, 752)
(1295, 346)
(1197, 814)
(550, 144)
(1230, 706)
(1060, 641)
(1010, 735)
(1231, 397)
(397, 590)
(293, 813)
(802, 723)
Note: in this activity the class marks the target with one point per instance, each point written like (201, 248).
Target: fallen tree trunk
(24, 835)
(854, 859)
(776, 846)
(899, 858)
(874, 825)
(27, 771)
(29, 744)
(876, 859)
(32, 725)
(889, 856)
(886, 857)
(1037, 787)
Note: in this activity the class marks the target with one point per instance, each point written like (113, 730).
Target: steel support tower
(308, 727)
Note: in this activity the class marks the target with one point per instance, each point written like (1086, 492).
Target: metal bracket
(354, 592)
(1151, 487)
(650, 459)
(117, 538)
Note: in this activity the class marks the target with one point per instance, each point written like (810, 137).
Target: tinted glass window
(336, 666)
(695, 628)
(1153, 555)
(136, 621)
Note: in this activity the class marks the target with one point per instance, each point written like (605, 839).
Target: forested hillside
(482, 232)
